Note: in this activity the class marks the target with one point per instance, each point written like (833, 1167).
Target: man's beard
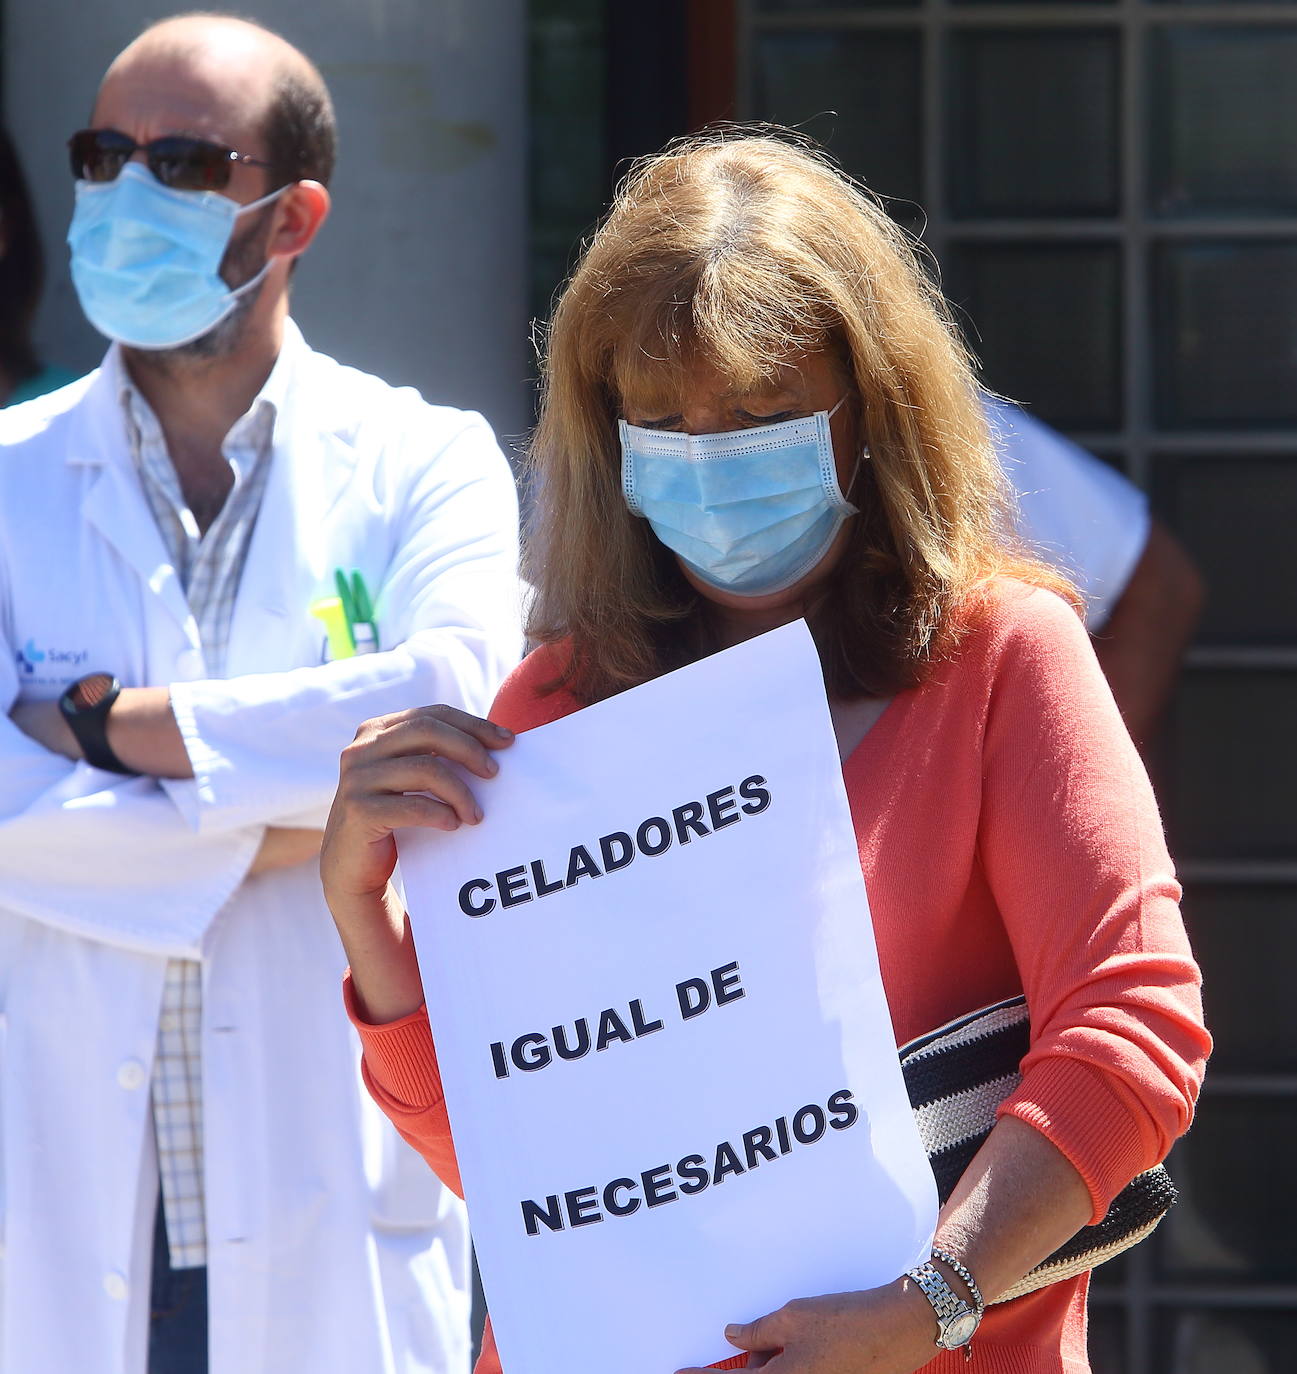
(244, 258)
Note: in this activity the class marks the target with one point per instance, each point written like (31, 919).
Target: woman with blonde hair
(756, 408)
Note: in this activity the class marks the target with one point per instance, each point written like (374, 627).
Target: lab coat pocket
(405, 1193)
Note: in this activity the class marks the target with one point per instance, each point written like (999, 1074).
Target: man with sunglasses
(173, 530)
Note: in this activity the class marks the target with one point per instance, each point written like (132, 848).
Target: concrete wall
(419, 275)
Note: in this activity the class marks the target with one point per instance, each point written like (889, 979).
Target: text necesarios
(622, 1197)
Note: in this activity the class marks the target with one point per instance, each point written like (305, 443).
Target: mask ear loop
(855, 472)
(274, 195)
(860, 457)
(253, 282)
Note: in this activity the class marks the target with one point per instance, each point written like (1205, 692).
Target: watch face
(89, 691)
(959, 1330)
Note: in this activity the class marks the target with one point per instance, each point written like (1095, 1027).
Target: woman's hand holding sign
(399, 771)
(885, 1330)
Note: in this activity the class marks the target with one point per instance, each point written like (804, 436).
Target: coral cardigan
(1010, 842)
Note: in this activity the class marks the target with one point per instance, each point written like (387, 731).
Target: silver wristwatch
(956, 1320)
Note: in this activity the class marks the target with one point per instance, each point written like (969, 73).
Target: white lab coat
(332, 1248)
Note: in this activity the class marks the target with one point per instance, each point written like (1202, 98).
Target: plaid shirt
(210, 566)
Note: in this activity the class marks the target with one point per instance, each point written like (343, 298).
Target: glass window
(1107, 1338)
(1045, 321)
(1251, 600)
(1224, 120)
(856, 91)
(1205, 1341)
(1245, 938)
(1112, 1273)
(566, 154)
(1033, 122)
(1234, 737)
(1225, 329)
(1235, 1200)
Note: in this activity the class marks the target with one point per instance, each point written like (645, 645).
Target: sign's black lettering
(694, 819)
(693, 1173)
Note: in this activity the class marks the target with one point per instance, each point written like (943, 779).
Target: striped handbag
(956, 1077)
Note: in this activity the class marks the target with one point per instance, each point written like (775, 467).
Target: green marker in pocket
(358, 607)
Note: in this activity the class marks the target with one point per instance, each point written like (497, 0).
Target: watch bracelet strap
(932, 1283)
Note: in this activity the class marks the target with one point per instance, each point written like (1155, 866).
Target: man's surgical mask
(146, 259)
(750, 512)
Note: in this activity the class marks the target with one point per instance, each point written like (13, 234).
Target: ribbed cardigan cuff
(1075, 1108)
(399, 1055)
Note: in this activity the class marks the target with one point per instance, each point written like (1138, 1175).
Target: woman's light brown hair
(744, 251)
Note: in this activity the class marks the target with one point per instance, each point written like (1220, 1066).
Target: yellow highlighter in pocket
(329, 611)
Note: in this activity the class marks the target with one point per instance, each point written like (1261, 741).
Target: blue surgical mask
(146, 259)
(750, 512)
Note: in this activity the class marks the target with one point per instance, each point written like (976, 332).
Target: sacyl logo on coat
(29, 656)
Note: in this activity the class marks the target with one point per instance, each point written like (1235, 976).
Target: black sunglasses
(184, 164)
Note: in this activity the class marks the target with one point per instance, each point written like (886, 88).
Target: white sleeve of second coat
(1074, 510)
(264, 748)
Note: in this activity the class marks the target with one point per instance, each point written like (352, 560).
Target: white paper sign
(670, 1071)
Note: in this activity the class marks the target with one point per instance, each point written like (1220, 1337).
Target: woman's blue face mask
(749, 512)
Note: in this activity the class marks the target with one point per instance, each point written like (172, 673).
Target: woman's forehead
(650, 386)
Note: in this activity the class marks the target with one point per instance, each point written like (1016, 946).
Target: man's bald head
(235, 71)
(201, 32)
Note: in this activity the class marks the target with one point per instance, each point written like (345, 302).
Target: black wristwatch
(85, 706)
